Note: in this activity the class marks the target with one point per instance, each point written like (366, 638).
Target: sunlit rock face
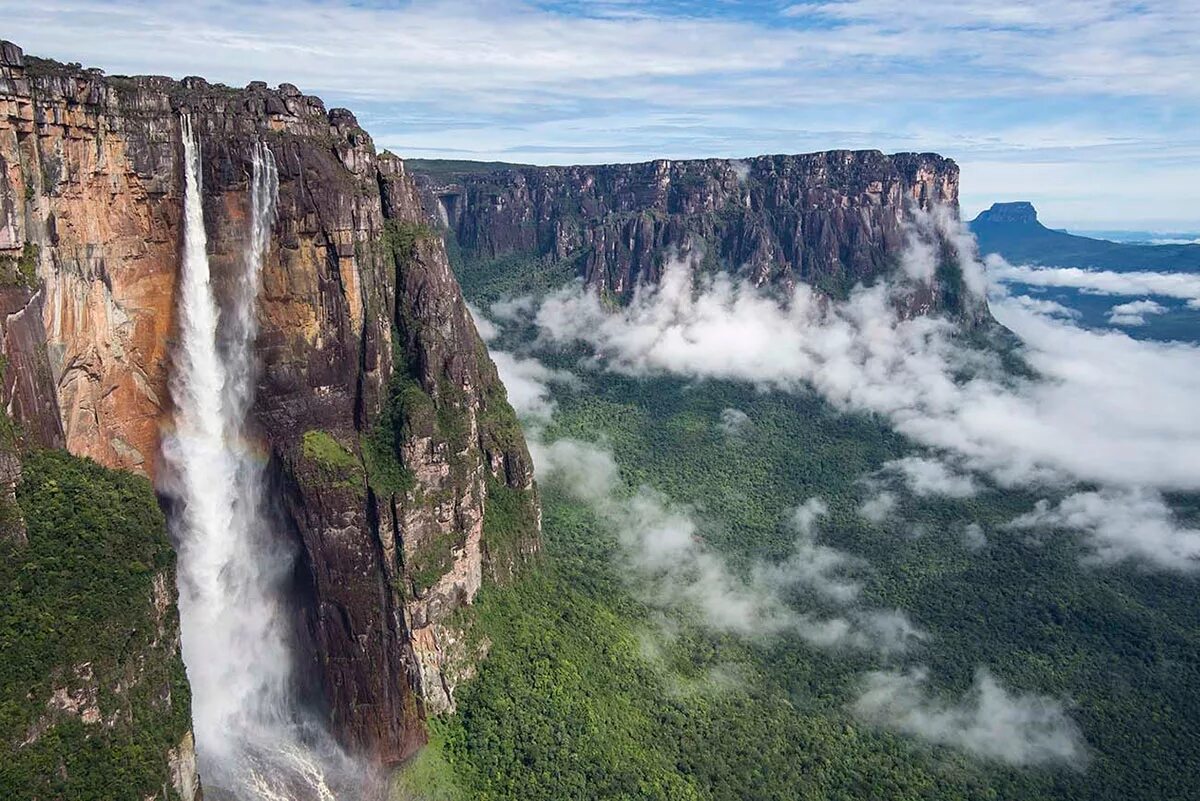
(357, 300)
(830, 219)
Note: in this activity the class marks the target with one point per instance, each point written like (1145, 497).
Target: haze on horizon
(1088, 108)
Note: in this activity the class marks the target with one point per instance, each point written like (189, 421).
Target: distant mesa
(1012, 230)
(1020, 211)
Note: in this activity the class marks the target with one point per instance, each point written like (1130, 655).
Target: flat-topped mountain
(1020, 212)
(831, 219)
(1013, 231)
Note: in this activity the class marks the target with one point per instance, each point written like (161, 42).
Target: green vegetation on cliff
(92, 688)
(508, 519)
(20, 270)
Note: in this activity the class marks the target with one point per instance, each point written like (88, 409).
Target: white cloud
(1134, 313)
(973, 537)
(1088, 45)
(1183, 286)
(528, 383)
(1103, 407)
(734, 423)
(925, 477)
(1048, 308)
(926, 233)
(989, 722)
(485, 327)
(1123, 525)
(546, 84)
(1106, 408)
(741, 169)
(677, 570)
(878, 507)
(513, 310)
(661, 541)
(827, 571)
(518, 47)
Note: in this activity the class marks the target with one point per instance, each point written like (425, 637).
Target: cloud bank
(528, 383)
(812, 594)
(1106, 408)
(1103, 408)
(1182, 286)
(925, 477)
(815, 592)
(1045, 307)
(734, 423)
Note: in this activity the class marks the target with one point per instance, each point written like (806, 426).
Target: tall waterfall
(251, 738)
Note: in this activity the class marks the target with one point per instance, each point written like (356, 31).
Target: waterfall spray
(252, 740)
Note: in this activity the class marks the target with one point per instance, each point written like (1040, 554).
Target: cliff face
(386, 427)
(830, 219)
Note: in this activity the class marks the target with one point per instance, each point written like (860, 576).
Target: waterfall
(251, 738)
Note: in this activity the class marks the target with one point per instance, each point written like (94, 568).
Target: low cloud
(827, 571)
(734, 423)
(741, 169)
(1101, 407)
(926, 232)
(1049, 308)
(661, 542)
(878, 507)
(1182, 286)
(513, 310)
(973, 537)
(989, 722)
(485, 327)
(1134, 313)
(811, 594)
(1122, 525)
(528, 383)
(926, 477)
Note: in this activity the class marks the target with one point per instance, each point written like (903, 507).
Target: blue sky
(1089, 108)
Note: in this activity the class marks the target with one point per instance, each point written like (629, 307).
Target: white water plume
(252, 739)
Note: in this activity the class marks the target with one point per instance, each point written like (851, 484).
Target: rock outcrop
(830, 219)
(403, 475)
